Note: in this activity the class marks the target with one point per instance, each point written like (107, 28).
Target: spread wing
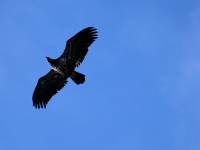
(47, 86)
(77, 46)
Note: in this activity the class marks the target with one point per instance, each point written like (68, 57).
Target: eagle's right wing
(47, 86)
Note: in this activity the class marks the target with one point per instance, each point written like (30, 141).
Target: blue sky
(143, 75)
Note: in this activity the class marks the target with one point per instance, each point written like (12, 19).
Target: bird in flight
(64, 67)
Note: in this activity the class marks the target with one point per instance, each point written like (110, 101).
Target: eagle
(64, 67)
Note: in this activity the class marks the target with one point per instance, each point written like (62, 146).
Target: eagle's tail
(77, 77)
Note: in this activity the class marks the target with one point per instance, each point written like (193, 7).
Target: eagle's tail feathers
(77, 77)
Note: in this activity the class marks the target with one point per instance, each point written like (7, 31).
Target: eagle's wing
(47, 86)
(77, 46)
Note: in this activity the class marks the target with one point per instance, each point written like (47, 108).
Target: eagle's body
(64, 67)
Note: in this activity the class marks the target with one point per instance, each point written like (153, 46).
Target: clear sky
(142, 89)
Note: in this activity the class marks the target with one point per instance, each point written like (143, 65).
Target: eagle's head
(51, 61)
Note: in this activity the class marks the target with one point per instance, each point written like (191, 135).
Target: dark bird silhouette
(64, 67)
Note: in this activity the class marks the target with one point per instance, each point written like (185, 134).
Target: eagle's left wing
(77, 46)
(46, 87)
